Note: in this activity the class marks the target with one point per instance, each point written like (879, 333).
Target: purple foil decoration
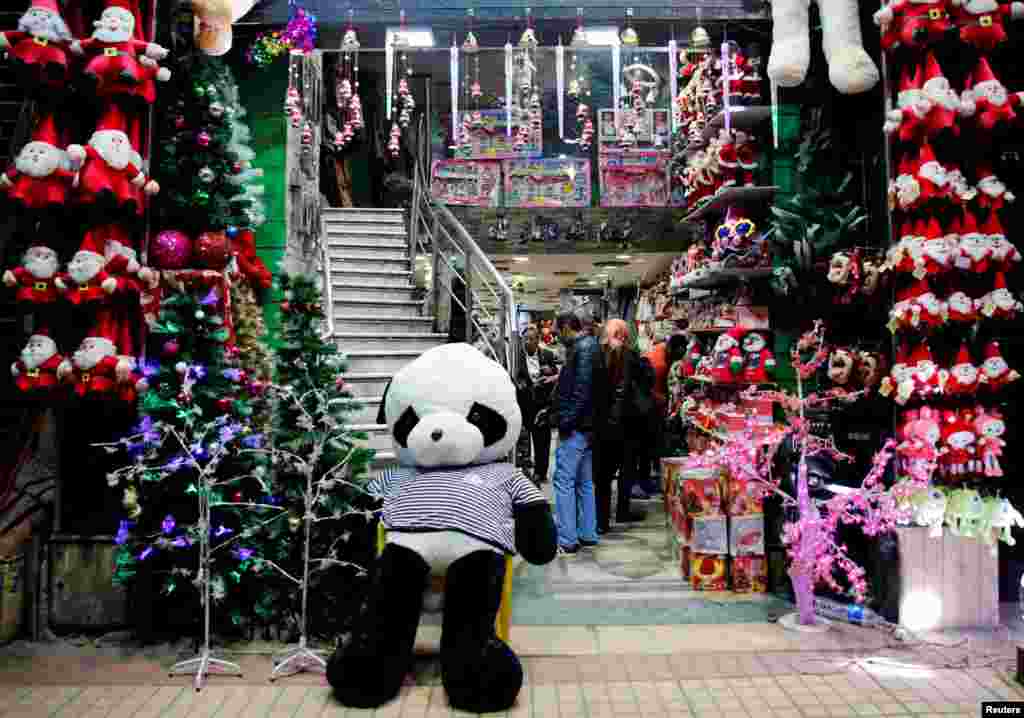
(146, 552)
(168, 524)
(122, 533)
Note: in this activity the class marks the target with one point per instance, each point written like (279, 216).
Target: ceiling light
(410, 36)
(623, 257)
(520, 259)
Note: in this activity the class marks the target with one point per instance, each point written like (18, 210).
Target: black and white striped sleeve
(381, 486)
(522, 490)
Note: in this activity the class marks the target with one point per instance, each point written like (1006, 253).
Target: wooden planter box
(953, 577)
(82, 593)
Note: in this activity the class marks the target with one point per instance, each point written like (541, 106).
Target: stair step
(382, 460)
(384, 360)
(367, 411)
(383, 249)
(378, 437)
(341, 277)
(342, 292)
(381, 342)
(371, 384)
(368, 264)
(365, 216)
(350, 229)
(372, 321)
(380, 308)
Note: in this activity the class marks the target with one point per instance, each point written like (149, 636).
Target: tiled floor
(854, 692)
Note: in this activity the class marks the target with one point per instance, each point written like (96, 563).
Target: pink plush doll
(919, 448)
(989, 427)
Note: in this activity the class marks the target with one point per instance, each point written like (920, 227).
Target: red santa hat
(933, 230)
(113, 118)
(963, 356)
(737, 334)
(922, 352)
(992, 351)
(41, 332)
(105, 329)
(47, 5)
(992, 228)
(954, 229)
(970, 224)
(981, 73)
(932, 70)
(1000, 281)
(46, 131)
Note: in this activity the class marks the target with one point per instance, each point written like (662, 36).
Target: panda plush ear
(381, 417)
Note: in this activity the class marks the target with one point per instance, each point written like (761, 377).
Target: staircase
(376, 314)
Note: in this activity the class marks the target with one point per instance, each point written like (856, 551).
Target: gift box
(750, 574)
(743, 498)
(746, 535)
(710, 535)
(702, 492)
(707, 572)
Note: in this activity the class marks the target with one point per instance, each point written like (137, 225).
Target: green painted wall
(262, 91)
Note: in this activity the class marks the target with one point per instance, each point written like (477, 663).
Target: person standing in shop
(537, 376)
(624, 425)
(575, 506)
(666, 351)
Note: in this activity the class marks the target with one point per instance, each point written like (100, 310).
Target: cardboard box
(746, 535)
(702, 493)
(710, 535)
(750, 574)
(743, 497)
(707, 572)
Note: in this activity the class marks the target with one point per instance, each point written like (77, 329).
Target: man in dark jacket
(573, 481)
(538, 372)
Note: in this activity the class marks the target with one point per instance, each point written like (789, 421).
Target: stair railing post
(435, 273)
(469, 297)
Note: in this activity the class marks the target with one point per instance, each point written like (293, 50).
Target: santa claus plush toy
(112, 53)
(41, 175)
(986, 99)
(995, 372)
(958, 444)
(726, 359)
(931, 175)
(759, 361)
(908, 253)
(912, 108)
(960, 307)
(1004, 253)
(960, 190)
(981, 21)
(904, 189)
(249, 263)
(900, 382)
(110, 173)
(36, 367)
(992, 192)
(963, 375)
(989, 428)
(928, 378)
(86, 279)
(917, 307)
(937, 251)
(694, 352)
(39, 47)
(95, 368)
(913, 23)
(945, 101)
(975, 249)
(1000, 302)
(35, 278)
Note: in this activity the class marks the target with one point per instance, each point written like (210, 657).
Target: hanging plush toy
(41, 175)
(992, 192)
(927, 377)
(900, 382)
(906, 254)
(937, 252)
(38, 49)
(1000, 302)
(910, 117)
(958, 439)
(919, 449)
(111, 173)
(961, 308)
(981, 21)
(694, 352)
(964, 512)
(996, 373)
(95, 370)
(36, 276)
(929, 507)
(917, 307)
(850, 68)
(759, 361)
(453, 417)
(946, 105)
(870, 369)
(986, 99)
(1004, 253)
(112, 53)
(912, 23)
(963, 375)
(249, 263)
(86, 279)
(990, 427)
(726, 358)
(36, 367)
(975, 250)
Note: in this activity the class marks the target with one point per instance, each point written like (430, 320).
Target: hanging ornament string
(299, 34)
(350, 106)
(403, 105)
(530, 119)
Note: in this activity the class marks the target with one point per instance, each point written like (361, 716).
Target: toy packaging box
(743, 498)
(750, 574)
(746, 535)
(707, 572)
(467, 183)
(547, 183)
(710, 535)
(490, 139)
(702, 496)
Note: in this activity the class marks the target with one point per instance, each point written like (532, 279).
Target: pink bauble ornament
(171, 249)
(179, 122)
(203, 138)
(213, 250)
(170, 348)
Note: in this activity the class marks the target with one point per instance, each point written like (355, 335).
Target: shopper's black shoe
(602, 530)
(568, 550)
(588, 544)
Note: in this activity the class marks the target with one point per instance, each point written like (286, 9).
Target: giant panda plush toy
(455, 507)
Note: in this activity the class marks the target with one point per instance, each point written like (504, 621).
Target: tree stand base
(791, 622)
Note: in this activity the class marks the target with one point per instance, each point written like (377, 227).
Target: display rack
(722, 277)
(731, 196)
(741, 117)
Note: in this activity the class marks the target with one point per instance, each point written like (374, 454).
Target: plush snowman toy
(454, 507)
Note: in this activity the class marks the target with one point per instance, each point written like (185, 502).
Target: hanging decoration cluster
(350, 106)
(471, 120)
(299, 34)
(529, 96)
(579, 87)
(403, 104)
(635, 104)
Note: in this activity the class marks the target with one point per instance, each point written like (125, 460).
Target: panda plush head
(452, 406)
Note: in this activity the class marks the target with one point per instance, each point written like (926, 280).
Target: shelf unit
(742, 117)
(730, 196)
(723, 277)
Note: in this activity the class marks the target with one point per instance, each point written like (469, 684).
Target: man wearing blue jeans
(575, 507)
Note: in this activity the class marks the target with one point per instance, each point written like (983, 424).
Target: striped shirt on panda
(474, 500)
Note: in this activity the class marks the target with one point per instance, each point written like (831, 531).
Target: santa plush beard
(84, 266)
(113, 146)
(961, 307)
(995, 369)
(37, 351)
(45, 24)
(38, 159)
(41, 264)
(993, 91)
(92, 351)
(114, 25)
(963, 379)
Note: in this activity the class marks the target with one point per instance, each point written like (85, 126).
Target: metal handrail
(432, 224)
